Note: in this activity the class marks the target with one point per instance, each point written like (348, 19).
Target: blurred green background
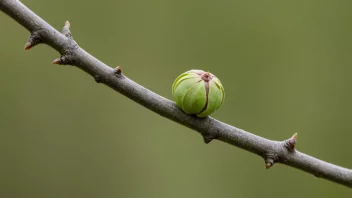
(285, 66)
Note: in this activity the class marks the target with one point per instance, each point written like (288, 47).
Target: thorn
(207, 140)
(34, 39)
(57, 61)
(66, 30)
(291, 143)
(97, 78)
(28, 46)
(67, 24)
(207, 137)
(269, 160)
(117, 71)
(65, 59)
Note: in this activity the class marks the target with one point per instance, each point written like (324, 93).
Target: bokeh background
(285, 66)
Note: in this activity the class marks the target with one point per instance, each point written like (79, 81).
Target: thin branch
(272, 151)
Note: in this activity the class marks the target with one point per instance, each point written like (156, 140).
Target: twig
(71, 54)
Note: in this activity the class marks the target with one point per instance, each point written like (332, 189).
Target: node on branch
(290, 144)
(65, 59)
(66, 30)
(97, 78)
(207, 137)
(268, 165)
(34, 39)
(117, 70)
(270, 159)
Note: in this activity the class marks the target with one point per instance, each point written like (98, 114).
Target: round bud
(198, 92)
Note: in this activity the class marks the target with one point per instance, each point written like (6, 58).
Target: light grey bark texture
(210, 128)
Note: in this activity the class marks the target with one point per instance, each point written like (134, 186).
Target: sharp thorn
(28, 46)
(57, 61)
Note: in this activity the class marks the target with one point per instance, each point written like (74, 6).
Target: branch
(71, 54)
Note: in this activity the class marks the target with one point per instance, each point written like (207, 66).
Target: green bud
(198, 92)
